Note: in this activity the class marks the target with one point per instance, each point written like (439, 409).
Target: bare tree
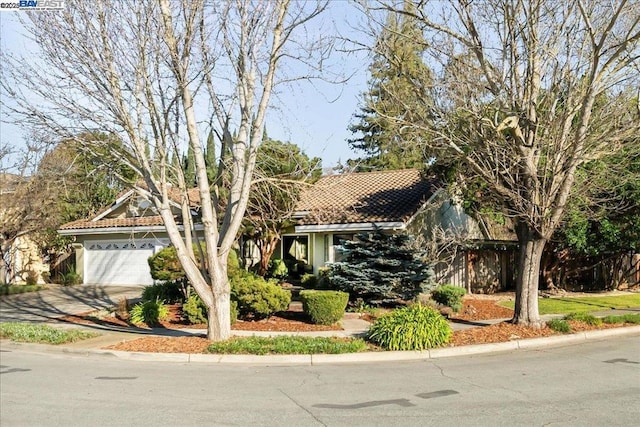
(527, 91)
(161, 76)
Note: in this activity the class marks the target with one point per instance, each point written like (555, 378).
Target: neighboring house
(113, 247)
(21, 259)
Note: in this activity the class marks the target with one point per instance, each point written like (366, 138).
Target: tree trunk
(267, 247)
(219, 316)
(531, 248)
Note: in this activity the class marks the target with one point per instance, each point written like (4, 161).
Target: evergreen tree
(189, 168)
(400, 92)
(382, 267)
(210, 157)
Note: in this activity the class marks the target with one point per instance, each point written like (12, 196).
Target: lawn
(42, 334)
(18, 289)
(583, 304)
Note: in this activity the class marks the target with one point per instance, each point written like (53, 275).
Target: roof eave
(369, 226)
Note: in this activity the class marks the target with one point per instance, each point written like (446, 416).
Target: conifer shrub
(149, 312)
(416, 327)
(381, 268)
(324, 307)
(449, 295)
(257, 297)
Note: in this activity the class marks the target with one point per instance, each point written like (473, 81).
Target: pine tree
(400, 93)
(381, 267)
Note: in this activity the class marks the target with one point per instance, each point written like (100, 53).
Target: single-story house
(338, 207)
(113, 247)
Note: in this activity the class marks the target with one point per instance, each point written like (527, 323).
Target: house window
(338, 240)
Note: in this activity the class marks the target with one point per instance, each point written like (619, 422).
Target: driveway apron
(50, 304)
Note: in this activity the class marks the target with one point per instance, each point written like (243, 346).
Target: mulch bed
(474, 309)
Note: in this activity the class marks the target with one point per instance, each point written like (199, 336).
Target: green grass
(288, 345)
(42, 334)
(623, 318)
(18, 289)
(559, 325)
(587, 318)
(583, 304)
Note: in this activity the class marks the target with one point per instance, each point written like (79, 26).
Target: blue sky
(313, 115)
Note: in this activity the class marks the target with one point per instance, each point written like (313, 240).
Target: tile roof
(385, 196)
(141, 221)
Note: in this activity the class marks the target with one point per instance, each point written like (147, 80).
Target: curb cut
(323, 359)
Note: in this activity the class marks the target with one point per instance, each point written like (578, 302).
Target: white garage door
(118, 262)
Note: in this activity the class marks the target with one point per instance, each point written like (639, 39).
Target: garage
(119, 262)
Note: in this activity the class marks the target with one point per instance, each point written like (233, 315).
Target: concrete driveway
(55, 302)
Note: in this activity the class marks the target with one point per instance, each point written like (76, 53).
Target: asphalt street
(596, 383)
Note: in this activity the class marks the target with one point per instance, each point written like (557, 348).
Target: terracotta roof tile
(141, 221)
(386, 196)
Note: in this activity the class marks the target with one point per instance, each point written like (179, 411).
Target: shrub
(194, 310)
(149, 312)
(324, 307)
(277, 269)
(380, 267)
(449, 295)
(70, 278)
(559, 325)
(164, 291)
(309, 281)
(258, 297)
(587, 318)
(410, 328)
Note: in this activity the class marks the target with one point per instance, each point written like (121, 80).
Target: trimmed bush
(417, 327)
(165, 291)
(149, 312)
(257, 297)
(324, 307)
(449, 295)
(559, 325)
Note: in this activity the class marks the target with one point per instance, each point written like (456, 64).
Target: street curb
(323, 359)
